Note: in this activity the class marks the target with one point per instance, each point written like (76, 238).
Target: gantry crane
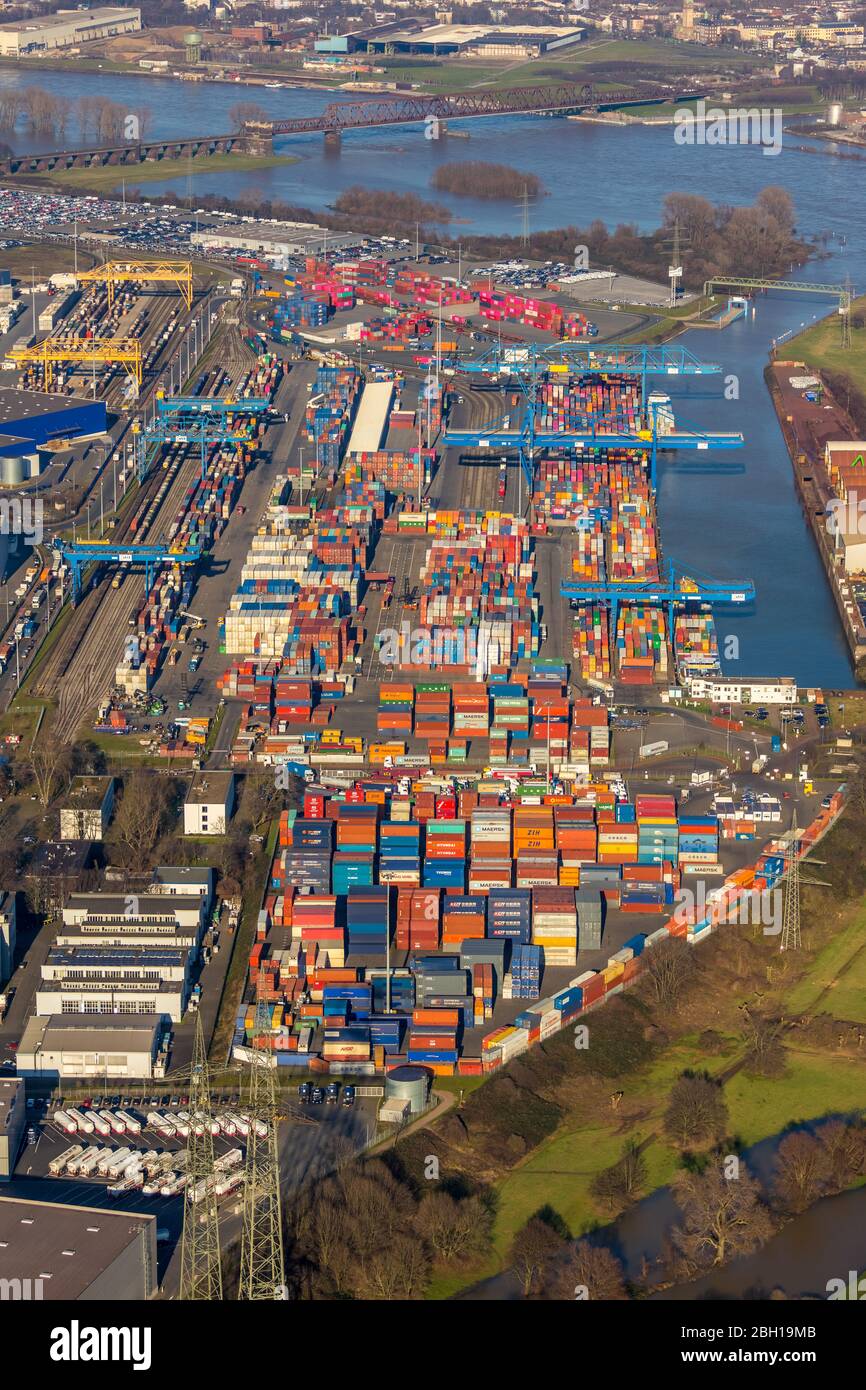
(195, 420)
(676, 587)
(114, 273)
(51, 350)
(85, 553)
(594, 432)
(530, 360)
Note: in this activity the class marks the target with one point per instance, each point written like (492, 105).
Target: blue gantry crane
(594, 432)
(676, 587)
(196, 420)
(528, 361)
(85, 553)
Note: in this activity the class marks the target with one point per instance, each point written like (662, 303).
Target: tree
(624, 1180)
(845, 1146)
(778, 203)
(140, 817)
(47, 767)
(670, 966)
(721, 1218)
(696, 1111)
(590, 1271)
(534, 1246)
(263, 798)
(453, 1228)
(244, 111)
(762, 1035)
(801, 1171)
(696, 216)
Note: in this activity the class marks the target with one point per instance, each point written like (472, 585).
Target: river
(735, 515)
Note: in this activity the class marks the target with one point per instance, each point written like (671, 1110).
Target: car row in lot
(309, 1094)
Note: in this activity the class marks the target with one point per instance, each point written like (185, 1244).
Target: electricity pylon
(791, 914)
(200, 1268)
(262, 1275)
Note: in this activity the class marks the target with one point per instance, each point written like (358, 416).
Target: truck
(651, 750)
(230, 1183)
(100, 1123)
(121, 1160)
(65, 1122)
(88, 1161)
(82, 1123)
(133, 1126)
(230, 1159)
(116, 1125)
(59, 1164)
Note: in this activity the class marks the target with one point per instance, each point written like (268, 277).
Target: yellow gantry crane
(114, 273)
(51, 351)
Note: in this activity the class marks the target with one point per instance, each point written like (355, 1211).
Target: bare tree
(590, 1271)
(625, 1179)
(263, 798)
(47, 768)
(762, 1034)
(453, 1228)
(696, 1111)
(534, 1246)
(244, 111)
(140, 817)
(721, 1218)
(669, 968)
(801, 1171)
(845, 1145)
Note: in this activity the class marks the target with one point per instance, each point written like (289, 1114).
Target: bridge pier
(333, 141)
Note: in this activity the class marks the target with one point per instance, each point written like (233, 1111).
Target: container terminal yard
(385, 540)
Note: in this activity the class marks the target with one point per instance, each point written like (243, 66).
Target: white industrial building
(209, 803)
(86, 808)
(78, 1045)
(748, 690)
(280, 239)
(13, 1112)
(103, 997)
(66, 28)
(7, 934)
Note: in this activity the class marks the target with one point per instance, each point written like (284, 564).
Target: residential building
(209, 803)
(86, 808)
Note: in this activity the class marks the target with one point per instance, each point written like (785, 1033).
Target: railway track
(81, 668)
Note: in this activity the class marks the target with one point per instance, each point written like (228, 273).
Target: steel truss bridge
(556, 99)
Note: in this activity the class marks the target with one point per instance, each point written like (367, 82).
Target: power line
(791, 916)
(200, 1266)
(262, 1274)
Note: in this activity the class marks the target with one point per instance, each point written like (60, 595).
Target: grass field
(819, 347)
(104, 180)
(841, 960)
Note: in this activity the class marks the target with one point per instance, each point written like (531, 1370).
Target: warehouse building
(13, 1113)
(49, 1250)
(462, 40)
(86, 808)
(99, 996)
(65, 29)
(184, 881)
(131, 912)
(282, 239)
(209, 803)
(81, 1046)
(7, 934)
(29, 419)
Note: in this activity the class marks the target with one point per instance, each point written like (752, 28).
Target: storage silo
(834, 113)
(12, 470)
(408, 1083)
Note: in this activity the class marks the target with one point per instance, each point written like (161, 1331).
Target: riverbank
(821, 1070)
(807, 426)
(105, 179)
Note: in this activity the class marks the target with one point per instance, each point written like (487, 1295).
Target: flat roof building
(75, 1253)
(209, 803)
(464, 40)
(8, 931)
(283, 239)
(65, 28)
(86, 808)
(13, 1113)
(79, 1045)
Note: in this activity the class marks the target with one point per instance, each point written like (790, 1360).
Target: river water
(734, 515)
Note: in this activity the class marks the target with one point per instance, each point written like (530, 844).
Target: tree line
(49, 113)
(476, 178)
